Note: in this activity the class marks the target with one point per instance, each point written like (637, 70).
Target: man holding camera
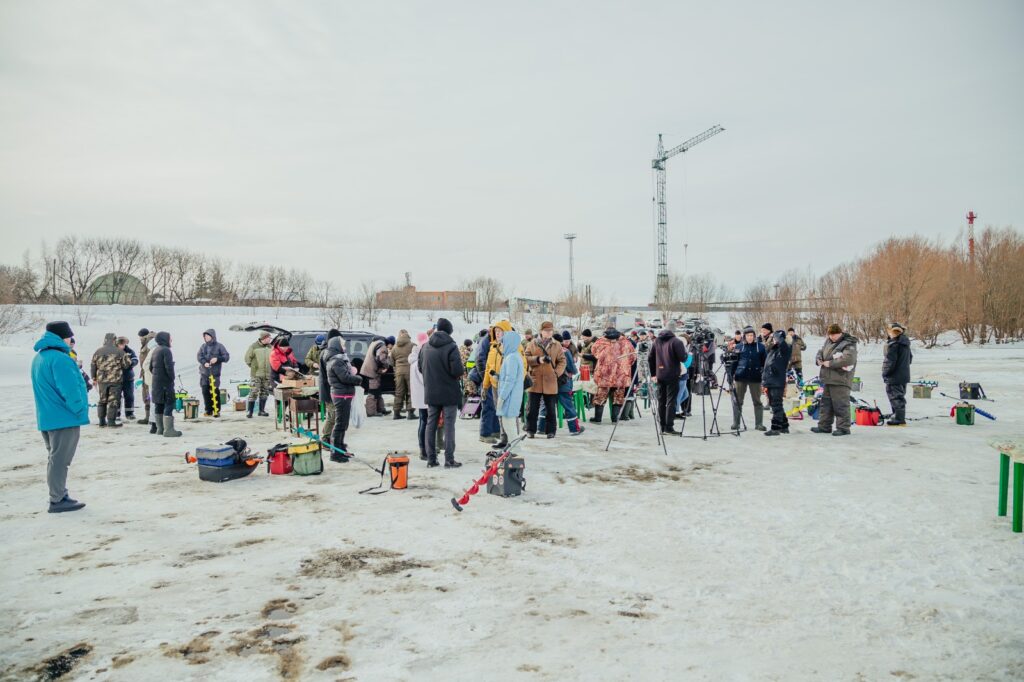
(774, 380)
(666, 360)
(749, 368)
(545, 359)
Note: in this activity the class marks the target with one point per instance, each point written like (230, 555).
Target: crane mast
(658, 164)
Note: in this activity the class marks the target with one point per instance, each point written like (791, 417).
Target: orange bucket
(399, 466)
(584, 373)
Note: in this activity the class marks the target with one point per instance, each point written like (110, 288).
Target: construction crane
(658, 164)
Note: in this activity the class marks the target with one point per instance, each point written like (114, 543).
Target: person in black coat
(161, 386)
(341, 380)
(773, 378)
(749, 370)
(896, 373)
(666, 362)
(441, 366)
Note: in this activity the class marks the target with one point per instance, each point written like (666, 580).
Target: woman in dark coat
(161, 363)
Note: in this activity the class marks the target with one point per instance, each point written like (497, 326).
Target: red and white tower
(970, 236)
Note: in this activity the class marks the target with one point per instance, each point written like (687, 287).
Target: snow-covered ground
(878, 556)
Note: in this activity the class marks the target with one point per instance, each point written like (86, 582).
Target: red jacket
(282, 356)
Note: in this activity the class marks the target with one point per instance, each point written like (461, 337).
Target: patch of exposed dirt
(279, 609)
(56, 667)
(250, 542)
(194, 652)
(341, 563)
(121, 660)
(272, 639)
(195, 555)
(526, 533)
(341, 661)
(638, 474)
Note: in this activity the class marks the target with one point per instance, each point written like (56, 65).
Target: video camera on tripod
(702, 348)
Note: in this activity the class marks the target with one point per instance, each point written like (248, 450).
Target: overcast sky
(453, 139)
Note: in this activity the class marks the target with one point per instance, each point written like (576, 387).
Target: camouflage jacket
(109, 362)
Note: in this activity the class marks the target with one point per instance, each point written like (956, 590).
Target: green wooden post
(280, 412)
(1018, 497)
(1004, 481)
(558, 408)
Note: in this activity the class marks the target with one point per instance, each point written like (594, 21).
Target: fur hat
(896, 326)
(467, 343)
(768, 326)
(264, 334)
(443, 325)
(835, 329)
(61, 329)
(748, 330)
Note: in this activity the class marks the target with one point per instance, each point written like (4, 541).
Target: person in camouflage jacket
(108, 365)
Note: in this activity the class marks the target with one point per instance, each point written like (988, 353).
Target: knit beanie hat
(332, 333)
(768, 326)
(835, 329)
(390, 340)
(443, 325)
(61, 329)
(566, 336)
(587, 334)
(467, 343)
(264, 334)
(748, 329)
(320, 338)
(143, 332)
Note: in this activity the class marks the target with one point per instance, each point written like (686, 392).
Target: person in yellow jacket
(490, 427)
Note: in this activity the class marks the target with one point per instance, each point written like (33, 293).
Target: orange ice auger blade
(474, 487)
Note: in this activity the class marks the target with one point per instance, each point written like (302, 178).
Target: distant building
(117, 287)
(530, 306)
(407, 298)
(266, 298)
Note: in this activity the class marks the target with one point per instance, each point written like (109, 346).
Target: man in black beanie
(442, 367)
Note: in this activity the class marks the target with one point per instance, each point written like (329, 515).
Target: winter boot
(759, 418)
(263, 407)
(169, 431)
(152, 427)
(423, 455)
(501, 443)
(432, 461)
(382, 410)
(451, 463)
(898, 418)
(251, 405)
(101, 416)
(398, 415)
(412, 414)
(598, 411)
(158, 422)
(616, 409)
(129, 416)
(145, 419)
(818, 429)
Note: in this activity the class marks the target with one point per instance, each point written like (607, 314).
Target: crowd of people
(514, 379)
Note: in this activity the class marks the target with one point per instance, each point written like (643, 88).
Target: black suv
(356, 345)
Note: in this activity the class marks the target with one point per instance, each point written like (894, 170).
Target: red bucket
(278, 460)
(584, 373)
(868, 416)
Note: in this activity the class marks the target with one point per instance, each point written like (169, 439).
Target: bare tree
(489, 294)
(76, 263)
(366, 301)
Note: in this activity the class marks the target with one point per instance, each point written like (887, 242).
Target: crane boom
(658, 164)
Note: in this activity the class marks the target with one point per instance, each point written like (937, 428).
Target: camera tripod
(705, 380)
(641, 375)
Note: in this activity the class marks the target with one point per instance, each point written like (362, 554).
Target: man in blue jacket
(749, 369)
(62, 407)
(211, 357)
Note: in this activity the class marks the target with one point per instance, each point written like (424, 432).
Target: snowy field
(873, 557)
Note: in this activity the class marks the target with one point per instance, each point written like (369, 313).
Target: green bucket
(965, 415)
(243, 390)
(178, 400)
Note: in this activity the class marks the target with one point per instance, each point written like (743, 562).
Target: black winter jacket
(208, 351)
(896, 366)
(441, 367)
(667, 356)
(161, 380)
(338, 370)
(776, 362)
(751, 363)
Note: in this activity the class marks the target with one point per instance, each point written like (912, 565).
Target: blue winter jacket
(58, 386)
(751, 363)
(570, 371)
(208, 351)
(510, 378)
